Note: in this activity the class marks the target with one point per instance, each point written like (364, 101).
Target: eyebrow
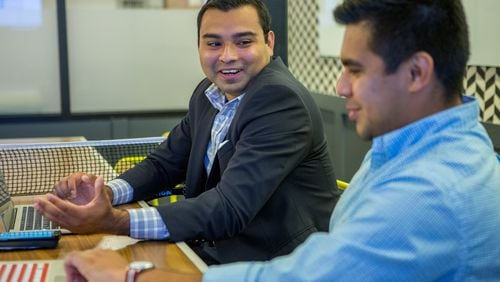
(236, 35)
(350, 63)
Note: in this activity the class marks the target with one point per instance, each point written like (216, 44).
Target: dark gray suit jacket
(272, 184)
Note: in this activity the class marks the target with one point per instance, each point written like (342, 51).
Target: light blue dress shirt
(146, 223)
(424, 206)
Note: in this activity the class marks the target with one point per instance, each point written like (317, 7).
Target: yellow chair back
(342, 185)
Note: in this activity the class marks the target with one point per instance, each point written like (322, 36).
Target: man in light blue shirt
(425, 203)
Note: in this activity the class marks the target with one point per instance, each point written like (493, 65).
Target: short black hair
(226, 5)
(404, 27)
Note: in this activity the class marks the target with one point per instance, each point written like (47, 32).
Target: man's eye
(353, 70)
(245, 42)
(213, 44)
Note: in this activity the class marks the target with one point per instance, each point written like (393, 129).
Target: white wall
(132, 59)
(484, 29)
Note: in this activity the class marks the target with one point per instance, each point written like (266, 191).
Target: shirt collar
(217, 98)
(389, 145)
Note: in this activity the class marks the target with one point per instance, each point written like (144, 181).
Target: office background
(319, 74)
(108, 69)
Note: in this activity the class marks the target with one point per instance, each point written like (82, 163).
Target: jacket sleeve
(166, 167)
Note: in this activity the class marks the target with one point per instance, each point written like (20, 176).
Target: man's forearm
(119, 223)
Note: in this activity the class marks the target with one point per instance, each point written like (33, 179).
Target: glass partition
(127, 55)
(29, 68)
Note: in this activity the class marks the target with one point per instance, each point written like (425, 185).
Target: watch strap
(132, 274)
(135, 268)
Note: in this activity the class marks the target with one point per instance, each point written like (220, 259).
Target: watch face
(141, 265)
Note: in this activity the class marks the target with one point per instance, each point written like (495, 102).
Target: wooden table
(163, 254)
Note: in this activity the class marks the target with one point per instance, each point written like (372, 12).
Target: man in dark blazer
(251, 152)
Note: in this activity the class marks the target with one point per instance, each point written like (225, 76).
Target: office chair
(128, 162)
(342, 185)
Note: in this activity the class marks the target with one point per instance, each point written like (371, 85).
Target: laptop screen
(6, 206)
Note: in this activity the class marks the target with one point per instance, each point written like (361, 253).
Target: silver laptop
(21, 217)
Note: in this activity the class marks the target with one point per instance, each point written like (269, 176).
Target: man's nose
(229, 53)
(343, 86)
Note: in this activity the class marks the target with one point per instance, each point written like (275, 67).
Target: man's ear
(270, 42)
(420, 71)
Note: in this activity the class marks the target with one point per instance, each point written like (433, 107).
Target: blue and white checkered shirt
(221, 123)
(146, 223)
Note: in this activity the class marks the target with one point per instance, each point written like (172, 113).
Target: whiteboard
(484, 31)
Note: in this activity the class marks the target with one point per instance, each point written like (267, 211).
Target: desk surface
(162, 254)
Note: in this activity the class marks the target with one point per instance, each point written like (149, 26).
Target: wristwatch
(136, 267)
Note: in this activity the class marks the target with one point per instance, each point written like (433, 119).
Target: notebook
(21, 217)
(37, 271)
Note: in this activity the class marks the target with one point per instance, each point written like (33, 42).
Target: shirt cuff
(122, 191)
(146, 223)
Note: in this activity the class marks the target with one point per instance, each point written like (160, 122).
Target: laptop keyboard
(32, 220)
